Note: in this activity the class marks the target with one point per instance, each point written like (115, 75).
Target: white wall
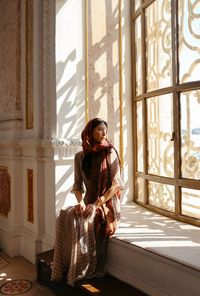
(70, 94)
(103, 89)
(22, 148)
(70, 68)
(60, 29)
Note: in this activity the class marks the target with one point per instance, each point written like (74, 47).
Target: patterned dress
(80, 247)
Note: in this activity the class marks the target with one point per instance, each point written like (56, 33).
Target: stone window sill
(164, 236)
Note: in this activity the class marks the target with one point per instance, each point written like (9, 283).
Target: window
(166, 106)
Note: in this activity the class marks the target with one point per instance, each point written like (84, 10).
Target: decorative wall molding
(5, 201)
(27, 148)
(30, 196)
(86, 64)
(18, 57)
(40, 149)
(14, 241)
(29, 64)
(64, 148)
(9, 116)
(11, 121)
(10, 34)
(49, 81)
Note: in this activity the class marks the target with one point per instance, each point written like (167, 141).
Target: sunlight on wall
(70, 68)
(70, 89)
(108, 88)
(64, 182)
(103, 45)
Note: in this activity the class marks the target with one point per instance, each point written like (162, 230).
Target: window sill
(156, 254)
(159, 234)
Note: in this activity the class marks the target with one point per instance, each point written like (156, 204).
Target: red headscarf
(88, 142)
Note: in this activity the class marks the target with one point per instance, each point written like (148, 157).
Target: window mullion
(176, 105)
(135, 165)
(144, 111)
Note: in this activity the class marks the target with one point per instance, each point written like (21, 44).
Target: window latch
(173, 137)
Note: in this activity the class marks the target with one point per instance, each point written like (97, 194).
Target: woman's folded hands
(85, 211)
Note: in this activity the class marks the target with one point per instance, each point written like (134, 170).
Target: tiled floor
(19, 268)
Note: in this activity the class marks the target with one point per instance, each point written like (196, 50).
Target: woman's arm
(77, 188)
(80, 207)
(79, 197)
(110, 192)
(78, 180)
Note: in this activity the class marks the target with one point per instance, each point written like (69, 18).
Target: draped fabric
(75, 247)
(80, 249)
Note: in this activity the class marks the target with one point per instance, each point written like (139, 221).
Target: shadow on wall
(70, 69)
(103, 76)
(72, 97)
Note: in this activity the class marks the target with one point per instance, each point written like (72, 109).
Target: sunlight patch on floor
(91, 288)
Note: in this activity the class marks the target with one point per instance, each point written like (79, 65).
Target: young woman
(83, 230)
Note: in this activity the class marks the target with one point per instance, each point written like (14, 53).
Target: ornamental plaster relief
(49, 87)
(5, 202)
(29, 65)
(10, 57)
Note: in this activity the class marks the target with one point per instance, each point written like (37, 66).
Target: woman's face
(100, 133)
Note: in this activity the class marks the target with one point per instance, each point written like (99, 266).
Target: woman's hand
(89, 210)
(79, 209)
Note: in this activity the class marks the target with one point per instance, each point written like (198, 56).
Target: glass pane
(190, 134)
(189, 40)
(161, 196)
(139, 137)
(138, 56)
(159, 48)
(159, 132)
(137, 4)
(191, 202)
(140, 190)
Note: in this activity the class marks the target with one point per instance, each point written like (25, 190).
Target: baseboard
(23, 242)
(10, 241)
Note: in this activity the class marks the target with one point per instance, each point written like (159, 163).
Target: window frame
(176, 89)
